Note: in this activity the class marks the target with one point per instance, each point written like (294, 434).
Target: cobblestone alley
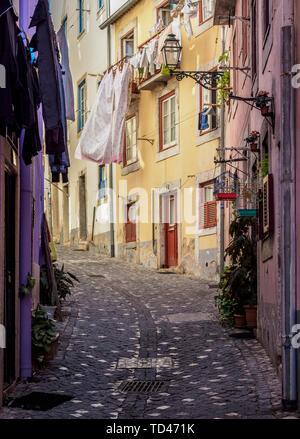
(126, 322)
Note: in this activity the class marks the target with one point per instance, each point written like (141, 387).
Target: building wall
(88, 59)
(183, 170)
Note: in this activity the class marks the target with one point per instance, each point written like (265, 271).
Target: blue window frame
(64, 24)
(101, 185)
(81, 105)
(80, 16)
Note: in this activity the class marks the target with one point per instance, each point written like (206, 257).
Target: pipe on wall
(287, 208)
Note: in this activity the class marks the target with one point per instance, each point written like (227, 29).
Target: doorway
(9, 279)
(171, 231)
(82, 209)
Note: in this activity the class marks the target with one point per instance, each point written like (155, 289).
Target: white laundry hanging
(189, 11)
(96, 137)
(102, 138)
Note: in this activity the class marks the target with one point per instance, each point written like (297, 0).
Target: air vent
(143, 386)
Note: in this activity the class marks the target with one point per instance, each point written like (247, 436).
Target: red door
(171, 240)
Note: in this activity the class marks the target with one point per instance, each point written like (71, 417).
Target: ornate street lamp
(171, 52)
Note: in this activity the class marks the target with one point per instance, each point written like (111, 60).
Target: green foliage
(224, 82)
(26, 289)
(238, 286)
(264, 166)
(64, 281)
(43, 332)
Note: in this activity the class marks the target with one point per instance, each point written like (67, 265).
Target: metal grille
(143, 386)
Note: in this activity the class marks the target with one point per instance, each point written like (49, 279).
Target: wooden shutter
(201, 209)
(267, 213)
(210, 214)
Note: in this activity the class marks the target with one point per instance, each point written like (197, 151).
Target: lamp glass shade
(171, 52)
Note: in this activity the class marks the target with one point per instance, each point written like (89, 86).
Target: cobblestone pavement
(127, 322)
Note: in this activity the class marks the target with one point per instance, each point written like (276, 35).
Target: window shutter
(260, 216)
(211, 214)
(201, 209)
(267, 213)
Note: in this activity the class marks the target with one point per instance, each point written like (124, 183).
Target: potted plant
(240, 279)
(252, 140)
(44, 337)
(262, 102)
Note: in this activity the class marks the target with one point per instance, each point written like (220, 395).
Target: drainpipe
(223, 168)
(287, 208)
(25, 241)
(111, 182)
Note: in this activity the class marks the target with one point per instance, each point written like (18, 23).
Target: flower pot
(264, 110)
(251, 316)
(239, 320)
(254, 147)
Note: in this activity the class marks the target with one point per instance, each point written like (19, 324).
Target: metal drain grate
(143, 386)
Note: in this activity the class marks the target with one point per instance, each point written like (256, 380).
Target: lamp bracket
(205, 79)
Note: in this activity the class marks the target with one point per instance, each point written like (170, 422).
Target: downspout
(25, 241)
(111, 182)
(287, 141)
(223, 169)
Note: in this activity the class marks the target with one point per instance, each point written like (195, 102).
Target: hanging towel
(67, 77)
(121, 103)
(189, 11)
(96, 137)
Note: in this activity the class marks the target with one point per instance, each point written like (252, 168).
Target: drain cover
(245, 335)
(40, 401)
(143, 386)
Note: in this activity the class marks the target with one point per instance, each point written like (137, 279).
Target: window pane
(208, 193)
(207, 9)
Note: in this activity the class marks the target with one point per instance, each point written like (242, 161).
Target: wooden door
(171, 237)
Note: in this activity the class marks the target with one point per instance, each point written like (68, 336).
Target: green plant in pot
(43, 334)
(241, 276)
(64, 281)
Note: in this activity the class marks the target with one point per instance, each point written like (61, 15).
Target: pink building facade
(263, 41)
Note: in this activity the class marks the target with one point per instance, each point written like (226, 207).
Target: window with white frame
(208, 110)
(167, 120)
(206, 10)
(130, 142)
(127, 44)
(81, 16)
(164, 13)
(82, 105)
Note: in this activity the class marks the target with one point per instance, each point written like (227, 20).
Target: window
(81, 21)
(65, 25)
(127, 44)
(266, 15)
(130, 226)
(163, 13)
(167, 121)
(254, 40)
(208, 97)
(205, 10)
(245, 28)
(82, 105)
(130, 141)
(235, 63)
(208, 206)
(102, 183)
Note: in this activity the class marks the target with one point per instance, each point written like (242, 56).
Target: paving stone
(136, 324)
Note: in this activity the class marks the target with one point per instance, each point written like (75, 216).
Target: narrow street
(127, 323)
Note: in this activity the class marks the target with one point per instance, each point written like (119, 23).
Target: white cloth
(102, 138)
(151, 51)
(96, 137)
(121, 89)
(161, 40)
(189, 11)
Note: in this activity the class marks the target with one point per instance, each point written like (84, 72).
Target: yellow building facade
(166, 213)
